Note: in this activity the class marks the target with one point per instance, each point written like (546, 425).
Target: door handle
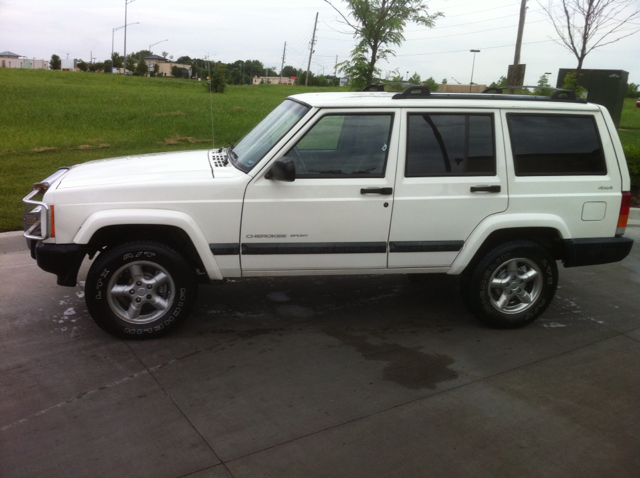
(383, 191)
(487, 189)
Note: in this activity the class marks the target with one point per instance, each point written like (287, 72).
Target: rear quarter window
(555, 145)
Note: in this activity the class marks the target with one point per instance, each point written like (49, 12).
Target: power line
(481, 48)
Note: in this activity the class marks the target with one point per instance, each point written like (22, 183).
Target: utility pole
(515, 75)
(284, 54)
(313, 42)
(126, 2)
(335, 68)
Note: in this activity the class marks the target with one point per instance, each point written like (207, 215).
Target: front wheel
(512, 285)
(140, 290)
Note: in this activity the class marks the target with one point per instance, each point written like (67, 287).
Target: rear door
(451, 175)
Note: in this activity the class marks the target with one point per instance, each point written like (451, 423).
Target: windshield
(268, 132)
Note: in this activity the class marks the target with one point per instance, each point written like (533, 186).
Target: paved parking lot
(323, 377)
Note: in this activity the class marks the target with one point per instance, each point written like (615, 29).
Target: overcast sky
(230, 30)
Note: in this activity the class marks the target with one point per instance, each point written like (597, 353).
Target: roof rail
(558, 93)
(414, 92)
(380, 86)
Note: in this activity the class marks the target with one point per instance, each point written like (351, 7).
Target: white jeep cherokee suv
(493, 187)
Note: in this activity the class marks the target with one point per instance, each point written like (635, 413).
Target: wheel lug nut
(132, 292)
(149, 297)
(138, 283)
(138, 299)
(149, 286)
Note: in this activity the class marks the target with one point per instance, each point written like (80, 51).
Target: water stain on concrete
(407, 366)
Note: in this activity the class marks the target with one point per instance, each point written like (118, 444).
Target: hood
(182, 166)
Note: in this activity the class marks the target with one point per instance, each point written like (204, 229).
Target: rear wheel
(512, 285)
(140, 290)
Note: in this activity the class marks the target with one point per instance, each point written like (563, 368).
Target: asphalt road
(323, 377)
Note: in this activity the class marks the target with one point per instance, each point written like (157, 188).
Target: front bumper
(63, 260)
(593, 251)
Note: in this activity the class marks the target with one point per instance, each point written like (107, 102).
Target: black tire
(140, 290)
(512, 285)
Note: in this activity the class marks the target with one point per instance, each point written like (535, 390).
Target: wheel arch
(175, 229)
(549, 233)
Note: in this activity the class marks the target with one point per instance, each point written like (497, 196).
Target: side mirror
(283, 169)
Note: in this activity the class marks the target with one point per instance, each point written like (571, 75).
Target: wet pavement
(354, 376)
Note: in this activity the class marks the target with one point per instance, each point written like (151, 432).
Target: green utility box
(604, 87)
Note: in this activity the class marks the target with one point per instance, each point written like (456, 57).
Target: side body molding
(119, 217)
(504, 221)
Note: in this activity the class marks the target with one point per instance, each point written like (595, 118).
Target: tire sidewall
(111, 261)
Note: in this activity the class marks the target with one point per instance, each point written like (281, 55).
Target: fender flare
(119, 217)
(495, 223)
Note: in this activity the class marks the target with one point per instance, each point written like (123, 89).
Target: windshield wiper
(232, 154)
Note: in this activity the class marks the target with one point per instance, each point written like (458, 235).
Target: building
(9, 59)
(164, 65)
(274, 80)
(448, 88)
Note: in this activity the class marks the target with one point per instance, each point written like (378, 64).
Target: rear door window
(450, 145)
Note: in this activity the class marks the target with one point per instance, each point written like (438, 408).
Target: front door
(335, 215)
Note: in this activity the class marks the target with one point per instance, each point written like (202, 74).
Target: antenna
(213, 142)
(284, 54)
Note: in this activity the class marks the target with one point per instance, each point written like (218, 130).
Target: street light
(113, 35)
(150, 52)
(473, 65)
(124, 58)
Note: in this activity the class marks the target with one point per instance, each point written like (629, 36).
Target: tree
(55, 63)
(571, 83)
(216, 83)
(542, 82)
(141, 68)
(108, 66)
(156, 69)
(432, 84)
(176, 71)
(415, 79)
(289, 71)
(116, 59)
(501, 83)
(95, 67)
(632, 90)
(82, 66)
(131, 63)
(584, 25)
(444, 81)
(378, 24)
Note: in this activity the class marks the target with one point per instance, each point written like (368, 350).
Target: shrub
(632, 153)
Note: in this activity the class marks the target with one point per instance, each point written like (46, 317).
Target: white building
(9, 59)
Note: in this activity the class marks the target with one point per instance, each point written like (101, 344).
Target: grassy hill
(54, 118)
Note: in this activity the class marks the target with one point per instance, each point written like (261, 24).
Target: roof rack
(558, 93)
(380, 86)
(420, 91)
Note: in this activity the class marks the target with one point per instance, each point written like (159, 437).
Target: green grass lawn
(53, 118)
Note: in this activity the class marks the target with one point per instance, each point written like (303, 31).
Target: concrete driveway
(323, 377)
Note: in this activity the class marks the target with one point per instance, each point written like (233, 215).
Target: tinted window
(450, 145)
(555, 145)
(344, 146)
